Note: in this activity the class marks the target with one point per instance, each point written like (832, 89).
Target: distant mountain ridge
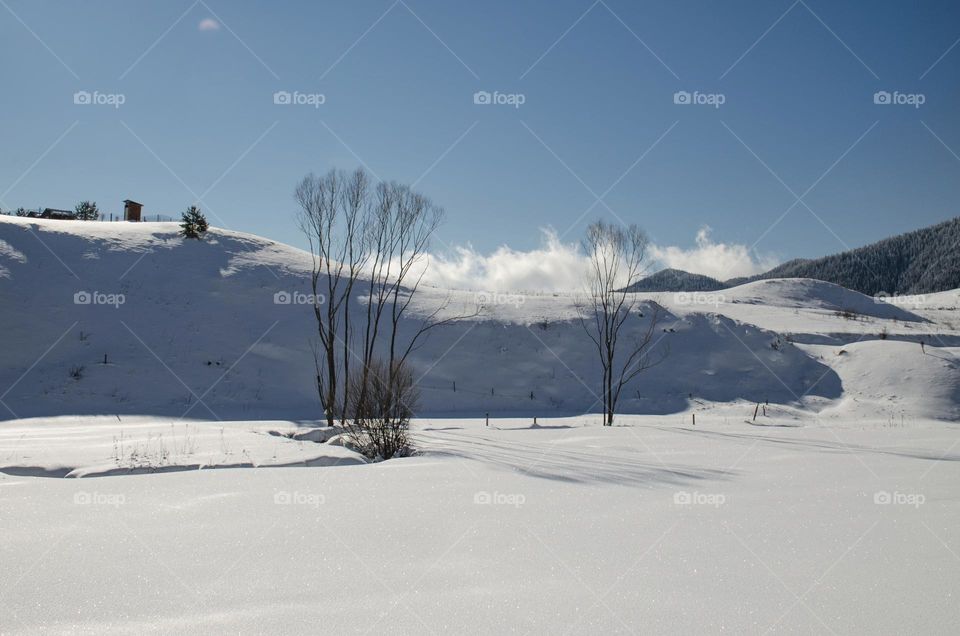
(677, 280)
(923, 261)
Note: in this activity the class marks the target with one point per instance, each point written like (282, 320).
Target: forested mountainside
(919, 262)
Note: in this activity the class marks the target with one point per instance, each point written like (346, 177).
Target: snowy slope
(199, 335)
(896, 377)
(651, 527)
(816, 312)
(806, 293)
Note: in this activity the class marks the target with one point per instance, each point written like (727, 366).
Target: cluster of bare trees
(368, 241)
(617, 260)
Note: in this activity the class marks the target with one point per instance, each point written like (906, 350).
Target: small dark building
(132, 210)
(63, 215)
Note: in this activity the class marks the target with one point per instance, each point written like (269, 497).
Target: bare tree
(374, 237)
(402, 222)
(617, 259)
(333, 216)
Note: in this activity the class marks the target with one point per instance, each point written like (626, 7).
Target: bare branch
(617, 259)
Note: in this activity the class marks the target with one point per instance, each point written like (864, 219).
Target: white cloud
(554, 266)
(208, 24)
(559, 266)
(719, 260)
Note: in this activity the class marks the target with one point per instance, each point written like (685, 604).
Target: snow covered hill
(115, 318)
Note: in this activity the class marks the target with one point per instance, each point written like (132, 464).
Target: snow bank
(73, 446)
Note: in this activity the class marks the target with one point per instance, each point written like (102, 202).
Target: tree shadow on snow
(581, 465)
(835, 445)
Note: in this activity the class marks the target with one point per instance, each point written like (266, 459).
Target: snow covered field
(654, 526)
(212, 502)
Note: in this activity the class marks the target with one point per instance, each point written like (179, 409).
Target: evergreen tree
(87, 211)
(193, 223)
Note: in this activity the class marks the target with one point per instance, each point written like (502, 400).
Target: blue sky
(598, 118)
